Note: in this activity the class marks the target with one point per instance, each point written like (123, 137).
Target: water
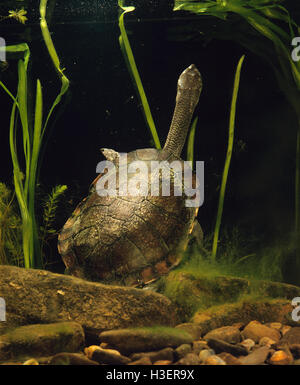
(102, 109)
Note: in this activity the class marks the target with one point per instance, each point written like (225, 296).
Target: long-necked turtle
(127, 239)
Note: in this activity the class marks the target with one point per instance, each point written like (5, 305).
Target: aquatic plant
(191, 141)
(130, 61)
(10, 229)
(50, 205)
(261, 16)
(18, 14)
(32, 137)
(228, 156)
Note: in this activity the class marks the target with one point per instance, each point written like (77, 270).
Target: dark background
(102, 108)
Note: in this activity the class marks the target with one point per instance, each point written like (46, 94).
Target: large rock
(128, 341)
(255, 331)
(263, 310)
(41, 340)
(191, 291)
(39, 296)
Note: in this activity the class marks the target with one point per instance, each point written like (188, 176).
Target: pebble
(162, 362)
(109, 356)
(266, 341)
(71, 359)
(229, 334)
(248, 344)
(205, 353)
(229, 359)
(189, 359)
(142, 361)
(275, 325)
(199, 345)
(31, 361)
(257, 357)
(292, 336)
(214, 360)
(160, 355)
(285, 329)
(295, 349)
(221, 346)
(255, 330)
(280, 358)
(182, 351)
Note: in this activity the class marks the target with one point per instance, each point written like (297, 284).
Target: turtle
(128, 239)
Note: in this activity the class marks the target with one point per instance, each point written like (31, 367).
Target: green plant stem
(297, 192)
(191, 141)
(55, 59)
(129, 58)
(228, 158)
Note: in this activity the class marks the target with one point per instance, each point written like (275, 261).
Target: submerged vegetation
(32, 137)
(18, 15)
(268, 21)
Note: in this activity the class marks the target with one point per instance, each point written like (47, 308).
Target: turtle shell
(127, 240)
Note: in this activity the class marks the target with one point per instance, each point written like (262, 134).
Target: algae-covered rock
(192, 292)
(128, 341)
(263, 310)
(41, 340)
(39, 296)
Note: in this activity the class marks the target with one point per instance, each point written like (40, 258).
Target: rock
(189, 359)
(255, 330)
(108, 356)
(194, 330)
(166, 362)
(198, 346)
(229, 334)
(245, 311)
(295, 349)
(257, 357)
(40, 296)
(41, 340)
(276, 290)
(280, 358)
(247, 343)
(221, 346)
(291, 337)
(229, 359)
(145, 339)
(285, 329)
(192, 291)
(182, 351)
(71, 359)
(275, 325)
(266, 341)
(205, 353)
(189, 292)
(31, 361)
(214, 360)
(166, 354)
(142, 361)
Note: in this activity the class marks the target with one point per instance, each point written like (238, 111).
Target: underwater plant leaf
(228, 157)
(55, 59)
(19, 15)
(129, 58)
(191, 141)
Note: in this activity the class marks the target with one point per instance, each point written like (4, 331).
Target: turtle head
(189, 88)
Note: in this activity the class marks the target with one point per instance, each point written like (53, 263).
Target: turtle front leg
(196, 234)
(72, 267)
